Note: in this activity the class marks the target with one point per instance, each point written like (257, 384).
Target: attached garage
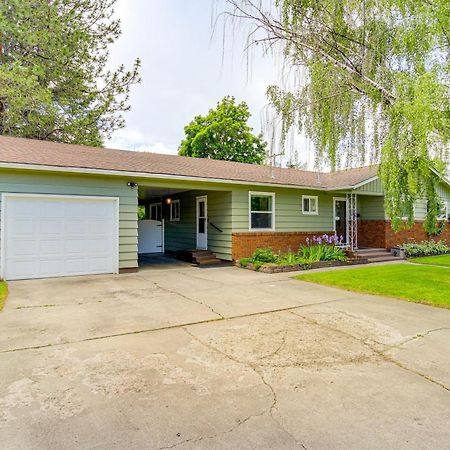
(58, 235)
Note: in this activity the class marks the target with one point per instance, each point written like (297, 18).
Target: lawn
(412, 282)
(440, 260)
(3, 294)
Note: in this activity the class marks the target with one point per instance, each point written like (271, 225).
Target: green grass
(440, 260)
(3, 294)
(415, 283)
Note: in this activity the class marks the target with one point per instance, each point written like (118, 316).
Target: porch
(174, 219)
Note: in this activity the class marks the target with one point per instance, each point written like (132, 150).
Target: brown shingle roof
(36, 152)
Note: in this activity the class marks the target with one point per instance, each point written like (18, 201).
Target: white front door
(202, 223)
(52, 236)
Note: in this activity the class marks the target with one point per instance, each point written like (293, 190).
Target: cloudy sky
(185, 70)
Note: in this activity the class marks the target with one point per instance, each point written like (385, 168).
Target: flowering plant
(333, 239)
(323, 248)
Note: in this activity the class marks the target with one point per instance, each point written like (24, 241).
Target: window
(155, 211)
(175, 210)
(262, 206)
(444, 212)
(310, 204)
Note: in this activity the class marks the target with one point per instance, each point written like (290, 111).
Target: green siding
(371, 207)
(34, 182)
(288, 210)
(182, 234)
(420, 207)
(373, 187)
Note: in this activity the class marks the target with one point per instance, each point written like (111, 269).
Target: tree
(377, 83)
(53, 80)
(224, 134)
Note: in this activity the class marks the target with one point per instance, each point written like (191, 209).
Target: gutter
(80, 170)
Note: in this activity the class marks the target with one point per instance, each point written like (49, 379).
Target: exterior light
(132, 185)
(168, 200)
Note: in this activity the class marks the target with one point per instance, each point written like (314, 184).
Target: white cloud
(127, 139)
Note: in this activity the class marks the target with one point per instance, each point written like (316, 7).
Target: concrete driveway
(220, 358)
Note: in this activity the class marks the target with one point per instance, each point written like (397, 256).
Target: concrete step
(371, 250)
(384, 259)
(371, 255)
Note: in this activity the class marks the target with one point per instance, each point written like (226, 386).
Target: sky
(186, 70)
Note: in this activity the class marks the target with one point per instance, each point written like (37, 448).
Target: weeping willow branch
(376, 77)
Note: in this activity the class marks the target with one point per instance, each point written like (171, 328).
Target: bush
(425, 248)
(263, 255)
(243, 262)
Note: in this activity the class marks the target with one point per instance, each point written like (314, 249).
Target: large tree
(224, 134)
(376, 82)
(54, 84)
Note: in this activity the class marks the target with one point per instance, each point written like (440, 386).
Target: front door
(340, 218)
(202, 223)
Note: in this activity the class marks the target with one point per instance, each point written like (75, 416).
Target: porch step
(384, 259)
(200, 257)
(375, 255)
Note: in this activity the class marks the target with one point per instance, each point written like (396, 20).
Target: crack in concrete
(380, 353)
(417, 336)
(166, 327)
(179, 294)
(275, 352)
(257, 370)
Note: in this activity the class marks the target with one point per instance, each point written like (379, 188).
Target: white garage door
(53, 236)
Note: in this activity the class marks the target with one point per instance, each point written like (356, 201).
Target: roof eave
(90, 171)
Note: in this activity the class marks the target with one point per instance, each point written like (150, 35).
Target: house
(73, 210)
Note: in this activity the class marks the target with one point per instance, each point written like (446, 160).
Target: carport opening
(183, 224)
(156, 206)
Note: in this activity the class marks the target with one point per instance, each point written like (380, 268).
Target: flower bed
(425, 248)
(321, 251)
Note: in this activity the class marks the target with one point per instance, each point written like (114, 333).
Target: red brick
(379, 233)
(244, 244)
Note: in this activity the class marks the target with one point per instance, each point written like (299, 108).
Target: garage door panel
(48, 226)
(22, 228)
(49, 247)
(76, 227)
(59, 236)
(25, 247)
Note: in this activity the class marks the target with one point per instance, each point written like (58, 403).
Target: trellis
(352, 221)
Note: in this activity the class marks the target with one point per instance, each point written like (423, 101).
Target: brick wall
(379, 233)
(372, 233)
(244, 244)
(417, 233)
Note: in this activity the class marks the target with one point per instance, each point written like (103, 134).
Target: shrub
(425, 248)
(263, 255)
(288, 258)
(243, 262)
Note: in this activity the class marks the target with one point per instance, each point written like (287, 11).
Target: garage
(55, 235)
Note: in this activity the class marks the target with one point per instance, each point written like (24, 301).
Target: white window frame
(261, 194)
(445, 215)
(310, 197)
(172, 218)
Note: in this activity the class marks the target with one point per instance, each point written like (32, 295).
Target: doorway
(340, 218)
(202, 222)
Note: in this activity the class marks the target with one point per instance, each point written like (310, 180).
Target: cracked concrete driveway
(219, 358)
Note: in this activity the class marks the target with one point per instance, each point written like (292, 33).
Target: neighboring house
(72, 210)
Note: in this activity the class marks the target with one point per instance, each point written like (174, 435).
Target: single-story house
(74, 210)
